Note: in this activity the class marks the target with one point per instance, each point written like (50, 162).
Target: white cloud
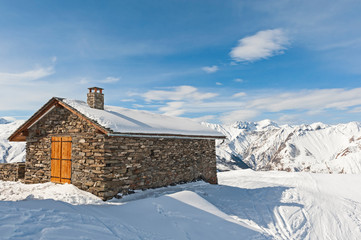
(355, 110)
(173, 109)
(128, 100)
(84, 81)
(290, 119)
(310, 102)
(110, 80)
(287, 106)
(210, 69)
(240, 80)
(177, 93)
(240, 94)
(204, 118)
(24, 77)
(336, 98)
(137, 105)
(239, 115)
(263, 44)
(219, 84)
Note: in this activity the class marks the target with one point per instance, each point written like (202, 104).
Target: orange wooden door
(61, 159)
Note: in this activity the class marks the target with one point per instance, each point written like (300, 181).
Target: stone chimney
(96, 98)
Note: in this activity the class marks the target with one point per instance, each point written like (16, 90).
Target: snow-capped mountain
(265, 145)
(10, 151)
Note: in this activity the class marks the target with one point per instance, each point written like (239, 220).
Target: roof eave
(155, 135)
(21, 133)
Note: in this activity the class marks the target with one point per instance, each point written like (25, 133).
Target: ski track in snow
(245, 205)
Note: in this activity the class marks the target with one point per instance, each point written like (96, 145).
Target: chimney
(95, 98)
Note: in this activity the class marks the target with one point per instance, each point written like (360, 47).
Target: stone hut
(108, 150)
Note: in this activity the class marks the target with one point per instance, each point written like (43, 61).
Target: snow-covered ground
(245, 205)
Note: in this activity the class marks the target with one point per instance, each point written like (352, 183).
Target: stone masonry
(12, 171)
(141, 163)
(95, 99)
(106, 165)
(87, 150)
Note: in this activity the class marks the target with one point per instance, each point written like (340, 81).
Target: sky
(217, 61)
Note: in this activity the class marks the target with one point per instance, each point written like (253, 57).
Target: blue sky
(220, 61)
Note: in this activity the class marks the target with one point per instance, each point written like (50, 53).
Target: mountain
(10, 151)
(265, 145)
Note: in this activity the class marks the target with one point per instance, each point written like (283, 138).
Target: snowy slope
(10, 151)
(266, 146)
(51, 211)
(246, 205)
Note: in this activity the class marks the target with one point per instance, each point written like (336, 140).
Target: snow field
(172, 213)
(245, 205)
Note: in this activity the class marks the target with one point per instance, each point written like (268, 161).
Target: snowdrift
(245, 205)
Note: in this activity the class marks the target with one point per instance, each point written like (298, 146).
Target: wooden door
(61, 159)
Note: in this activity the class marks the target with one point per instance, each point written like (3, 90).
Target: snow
(10, 151)
(123, 120)
(265, 145)
(176, 215)
(245, 205)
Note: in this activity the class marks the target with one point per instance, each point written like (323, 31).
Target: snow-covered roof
(123, 120)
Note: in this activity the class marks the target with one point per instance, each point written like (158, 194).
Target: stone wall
(87, 150)
(141, 163)
(12, 171)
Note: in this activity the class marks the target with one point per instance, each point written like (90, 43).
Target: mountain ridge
(315, 147)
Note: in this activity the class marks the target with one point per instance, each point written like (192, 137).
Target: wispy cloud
(106, 80)
(252, 105)
(110, 80)
(240, 94)
(263, 44)
(176, 98)
(204, 118)
(336, 98)
(210, 69)
(177, 93)
(24, 77)
(237, 115)
(84, 81)
(173, 109)
(240, 80)
(128, 100)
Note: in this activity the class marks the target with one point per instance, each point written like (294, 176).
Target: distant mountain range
(265, 145)
(10, 151)
(262, 145)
